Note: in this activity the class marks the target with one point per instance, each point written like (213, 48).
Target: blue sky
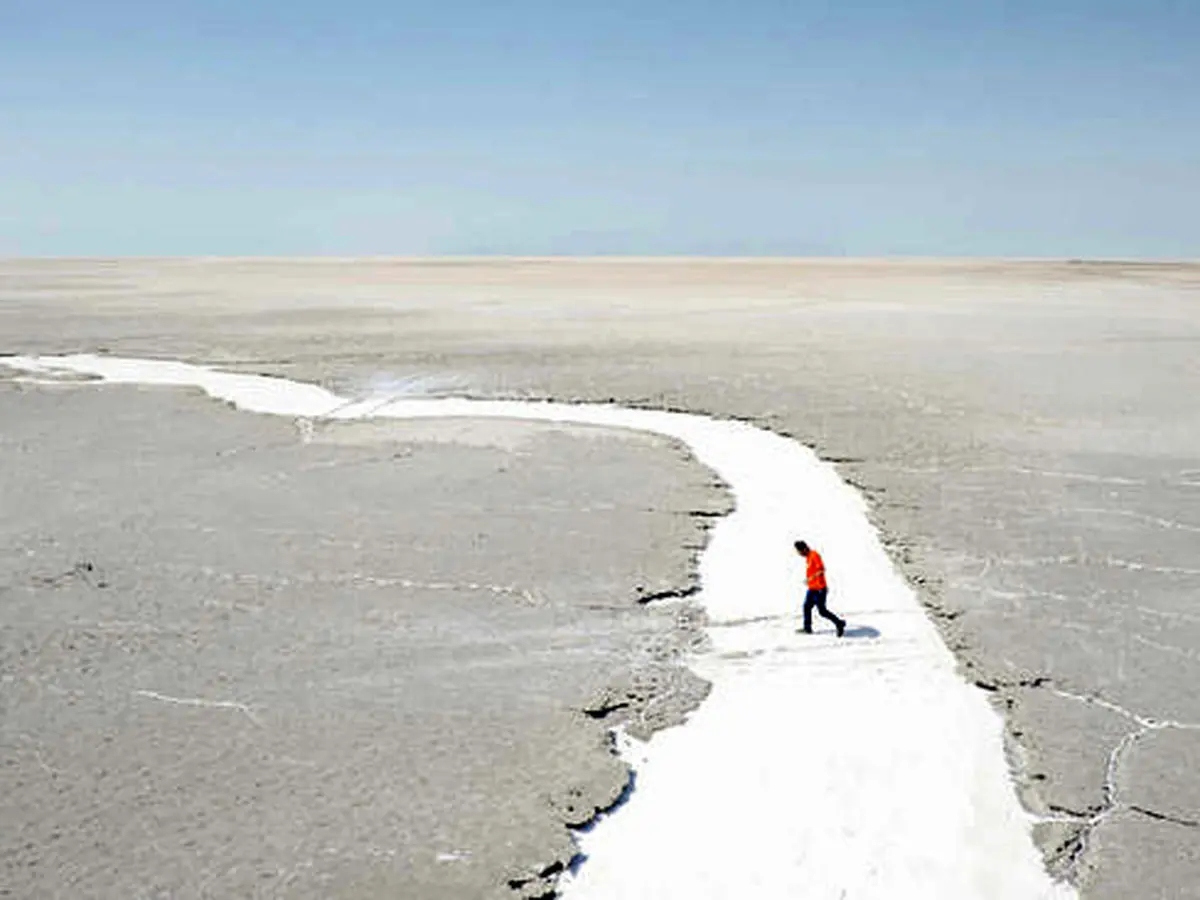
(932, 127)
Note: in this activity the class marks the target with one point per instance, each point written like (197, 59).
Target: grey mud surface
(238, 659)
(1028, 435)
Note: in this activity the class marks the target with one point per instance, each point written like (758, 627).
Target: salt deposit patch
(823, 768)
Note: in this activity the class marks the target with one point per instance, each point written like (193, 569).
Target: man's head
(801, 548)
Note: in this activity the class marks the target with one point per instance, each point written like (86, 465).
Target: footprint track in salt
(817, 768)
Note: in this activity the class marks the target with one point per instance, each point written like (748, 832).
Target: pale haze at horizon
(1060, 128)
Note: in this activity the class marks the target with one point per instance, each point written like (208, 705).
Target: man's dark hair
(801, 546)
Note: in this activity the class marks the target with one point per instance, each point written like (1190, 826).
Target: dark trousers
(817, 599)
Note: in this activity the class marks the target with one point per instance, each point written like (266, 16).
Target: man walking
(818, 589)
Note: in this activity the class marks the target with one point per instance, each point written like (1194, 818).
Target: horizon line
(608, 257)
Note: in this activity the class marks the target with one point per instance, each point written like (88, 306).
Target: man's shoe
(841, 627)
(803, 631)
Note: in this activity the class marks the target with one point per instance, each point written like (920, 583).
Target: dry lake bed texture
(357, 650)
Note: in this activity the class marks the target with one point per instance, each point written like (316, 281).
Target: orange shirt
(815, 571)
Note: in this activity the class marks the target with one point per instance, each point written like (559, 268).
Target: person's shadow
(861, 631)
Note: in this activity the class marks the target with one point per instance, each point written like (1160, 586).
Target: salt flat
(888, 750)
(242, 660)
(1027, 432)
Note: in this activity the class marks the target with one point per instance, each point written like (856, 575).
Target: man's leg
(810, 600)
(838, 622)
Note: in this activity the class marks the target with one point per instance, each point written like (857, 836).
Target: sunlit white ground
(818, 768)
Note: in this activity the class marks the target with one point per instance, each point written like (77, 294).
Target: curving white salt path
(818, 767)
